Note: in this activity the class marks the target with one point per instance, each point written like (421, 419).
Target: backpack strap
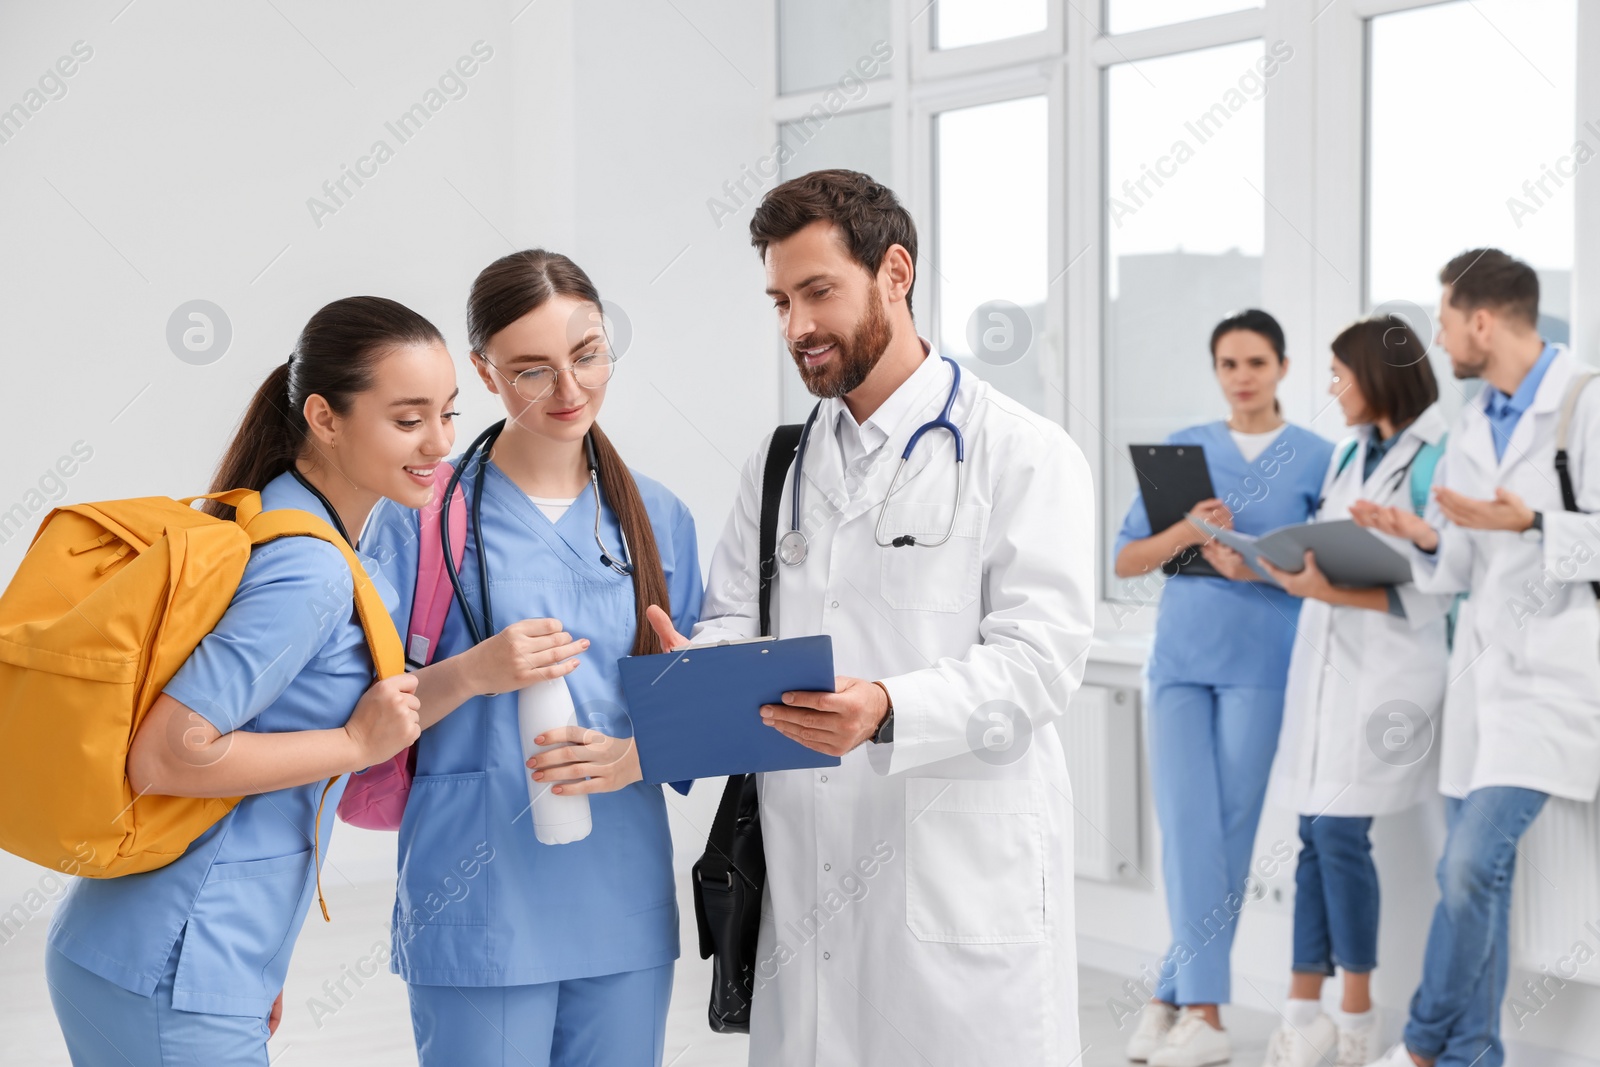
(1346, 455)
(780, 453)
(1569, 404)
(1422, 467)
(430, 605)
(382, 640)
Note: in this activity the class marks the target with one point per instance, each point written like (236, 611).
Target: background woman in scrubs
(185, 964)
(1216, 682)
(516, 951)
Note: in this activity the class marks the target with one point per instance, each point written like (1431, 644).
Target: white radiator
(1100, 733)
(1555, 902)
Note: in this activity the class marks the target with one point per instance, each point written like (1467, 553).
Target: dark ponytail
(510, 288)
(335, 358)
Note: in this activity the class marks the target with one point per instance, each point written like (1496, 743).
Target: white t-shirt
(552, 506)
(1252, 445)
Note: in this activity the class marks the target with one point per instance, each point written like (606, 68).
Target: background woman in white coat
(1366, 681)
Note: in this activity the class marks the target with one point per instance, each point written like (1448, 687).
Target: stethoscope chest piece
(792, 548)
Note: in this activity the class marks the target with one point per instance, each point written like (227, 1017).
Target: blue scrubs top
(288, 654)
(480, 901)
(1215, 631)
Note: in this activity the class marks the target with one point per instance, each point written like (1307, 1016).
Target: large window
(991, 170)
(1183, 180)
(962, 23)
(1097, 182)
(1125, 16)
(1472, 144)
(820, 41)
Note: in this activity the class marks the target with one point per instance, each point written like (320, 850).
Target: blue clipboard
(697, 712)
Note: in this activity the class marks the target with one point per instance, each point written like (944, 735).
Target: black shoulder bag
(732, 873)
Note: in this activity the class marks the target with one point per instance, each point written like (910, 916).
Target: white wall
(178, 165)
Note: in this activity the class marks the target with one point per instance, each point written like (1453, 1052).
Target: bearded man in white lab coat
(919, 897)
(1522, 713)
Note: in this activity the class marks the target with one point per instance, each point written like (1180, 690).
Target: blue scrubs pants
(607, 1021)
(107, 1026)
(1211, 751)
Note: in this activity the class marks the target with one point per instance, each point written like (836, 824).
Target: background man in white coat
(954, 659)
(1522, 713)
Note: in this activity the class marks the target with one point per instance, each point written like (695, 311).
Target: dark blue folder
(697, 712)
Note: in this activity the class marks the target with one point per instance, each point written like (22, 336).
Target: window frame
(1315, 186)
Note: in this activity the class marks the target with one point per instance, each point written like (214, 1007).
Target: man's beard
(854, 357)
(1473, 364)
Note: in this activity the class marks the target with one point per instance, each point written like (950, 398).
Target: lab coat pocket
(444, 835)
(932, 578)
(1562, 652)
(974, 861)
(238, 938)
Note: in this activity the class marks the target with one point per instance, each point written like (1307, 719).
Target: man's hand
(1505, 512)
(275, 1016)
(671, 640)
(833, 723)
(589, 762)
(1397, 522)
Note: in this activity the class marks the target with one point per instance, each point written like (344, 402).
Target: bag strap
(1569, 404)
(1346, 456)
(382, 640)
(1423, 463)
(430, 605)
(780, 453)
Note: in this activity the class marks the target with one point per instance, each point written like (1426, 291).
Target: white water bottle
(558, 818)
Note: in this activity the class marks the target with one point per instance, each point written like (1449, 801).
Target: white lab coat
(958, 946)
(1523, 705)
(1362, 709)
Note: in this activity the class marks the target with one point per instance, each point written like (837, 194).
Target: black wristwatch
(885, 731)
(1535, 529)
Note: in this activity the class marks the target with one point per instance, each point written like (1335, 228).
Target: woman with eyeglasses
(1366, 687)
(517, 951)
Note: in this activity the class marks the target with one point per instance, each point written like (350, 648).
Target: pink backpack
(375, 799)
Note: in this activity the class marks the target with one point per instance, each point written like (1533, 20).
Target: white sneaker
(1310, 1046)
(1356, 1047)
(1193, 1042)
(1395, 1057)
(1154, 1023)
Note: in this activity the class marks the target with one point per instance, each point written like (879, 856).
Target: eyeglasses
(590, 371)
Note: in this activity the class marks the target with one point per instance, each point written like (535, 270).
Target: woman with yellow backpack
(185, 963)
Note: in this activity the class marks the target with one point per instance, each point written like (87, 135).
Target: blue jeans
(1336, 896)
(1211, 750)
(1455, 1013)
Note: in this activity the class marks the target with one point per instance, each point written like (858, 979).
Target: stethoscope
(793, 545)
(478, 453)
(333, 516)
(1395, 480)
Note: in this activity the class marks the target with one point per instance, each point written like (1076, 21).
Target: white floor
(371, 1026)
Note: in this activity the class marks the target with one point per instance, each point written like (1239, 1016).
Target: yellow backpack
(108, 603)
